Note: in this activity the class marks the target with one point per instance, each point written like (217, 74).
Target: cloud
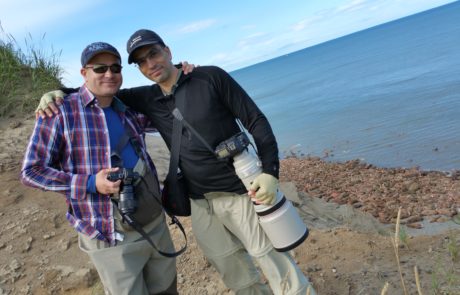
(219, 58)
(251, 39)
(197, 26)
(303, 24)
(253, 48)
(351, 6)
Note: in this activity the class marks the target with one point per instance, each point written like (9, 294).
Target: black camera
(232, 146)
(128, 202)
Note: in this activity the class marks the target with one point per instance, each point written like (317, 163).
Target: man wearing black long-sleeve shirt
(224, 221)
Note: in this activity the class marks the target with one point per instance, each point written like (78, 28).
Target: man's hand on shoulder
(186, 67)
(48, 105)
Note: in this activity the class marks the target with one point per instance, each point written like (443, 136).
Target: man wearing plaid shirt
(71, 154)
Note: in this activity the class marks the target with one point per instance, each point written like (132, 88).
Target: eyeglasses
(153, 53)
(101, 69)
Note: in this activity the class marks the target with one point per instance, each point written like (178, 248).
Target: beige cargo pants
(226, 228)
(133, 266)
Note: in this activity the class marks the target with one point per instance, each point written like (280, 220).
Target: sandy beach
(349, 208)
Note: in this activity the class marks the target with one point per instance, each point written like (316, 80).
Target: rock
(416, 225)
(447, 212)
(85, 277)
(63, 244)
(443, 219)
(413, 219)
(64, 270)
(428, 212)
(413, 187)
(9, 248)
(26, 289)
(49, 236)
(15, 265)
(180, 279)
(15, 124)
(28, 244)
(88, 276)
(357, 205)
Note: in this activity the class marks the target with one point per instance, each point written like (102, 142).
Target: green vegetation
(445, 279)
(25, 75)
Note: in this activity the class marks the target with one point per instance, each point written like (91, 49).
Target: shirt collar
(88, 98)
(117, 105)
(180, 80)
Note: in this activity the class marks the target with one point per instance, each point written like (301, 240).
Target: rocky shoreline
(422, 195)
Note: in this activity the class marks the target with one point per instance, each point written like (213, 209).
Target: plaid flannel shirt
(65, 149)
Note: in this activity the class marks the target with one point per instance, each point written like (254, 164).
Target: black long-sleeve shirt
(214, 100)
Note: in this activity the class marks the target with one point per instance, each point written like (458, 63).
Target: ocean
(388, 95)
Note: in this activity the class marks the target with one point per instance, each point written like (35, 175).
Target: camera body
(127, 202)
(280, 221)
(232, 146)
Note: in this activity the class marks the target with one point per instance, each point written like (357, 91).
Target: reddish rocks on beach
(378, 191)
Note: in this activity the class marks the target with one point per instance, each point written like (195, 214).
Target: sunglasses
(101, 69)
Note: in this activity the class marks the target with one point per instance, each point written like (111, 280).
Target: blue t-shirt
(116, 130)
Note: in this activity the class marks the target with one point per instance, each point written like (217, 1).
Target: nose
(150, 62)
(109, 73)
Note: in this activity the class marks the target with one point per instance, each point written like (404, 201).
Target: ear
(168, 51)
(83, 73)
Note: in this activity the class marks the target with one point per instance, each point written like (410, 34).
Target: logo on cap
(135, 40)
(98, 46)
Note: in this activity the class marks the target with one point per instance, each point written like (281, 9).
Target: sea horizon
(388, 95)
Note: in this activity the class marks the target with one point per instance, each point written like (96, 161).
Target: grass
(25, 74)
(396, 249)
(403, 237)
(445, 280)
(98, 289)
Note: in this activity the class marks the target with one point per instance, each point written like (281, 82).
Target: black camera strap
(137, 227)
(123, 141)
(178, 117)
(134, 224)
(175, 149)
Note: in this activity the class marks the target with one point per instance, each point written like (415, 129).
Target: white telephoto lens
(280, 221)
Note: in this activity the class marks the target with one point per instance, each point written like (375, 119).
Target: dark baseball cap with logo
(141, 38)
(96, 48)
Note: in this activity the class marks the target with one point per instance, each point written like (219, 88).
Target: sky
(229, 34)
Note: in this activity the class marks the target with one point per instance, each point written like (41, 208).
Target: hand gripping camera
(281, 222)
(128, 202)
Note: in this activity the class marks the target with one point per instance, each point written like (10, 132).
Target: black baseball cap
(141, 38)
(96, 48)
